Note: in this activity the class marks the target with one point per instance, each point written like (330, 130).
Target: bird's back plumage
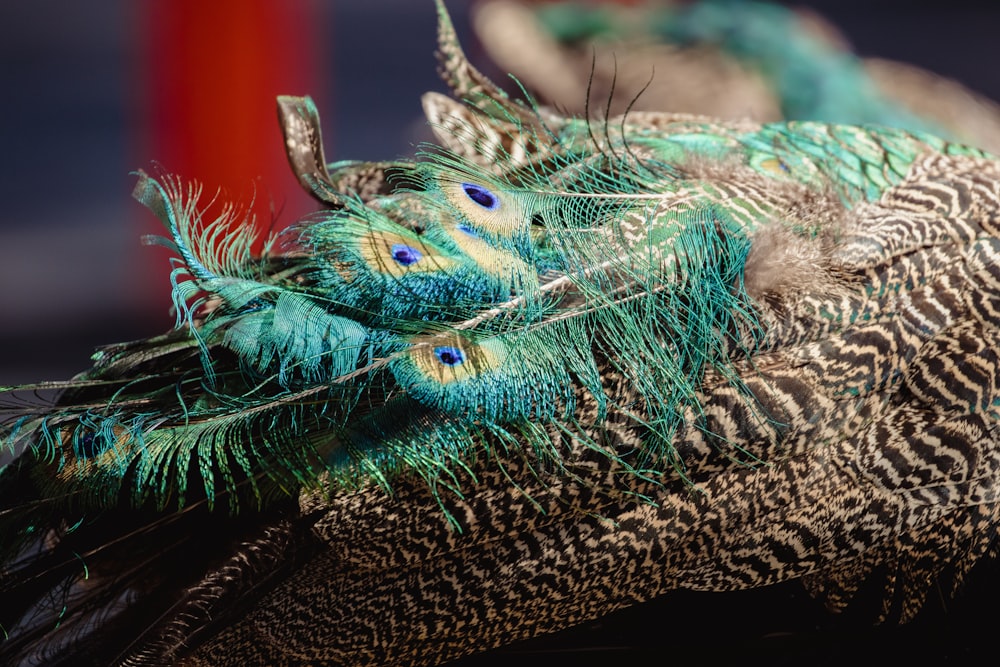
(552, 367)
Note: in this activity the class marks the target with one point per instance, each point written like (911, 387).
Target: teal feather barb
(590, 321)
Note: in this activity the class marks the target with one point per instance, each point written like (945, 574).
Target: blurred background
(93, 91)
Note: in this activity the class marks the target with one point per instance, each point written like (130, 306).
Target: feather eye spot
(405, 255)
(89, 445)
(449, 355)
(775, 166)
(481, 196)
(468, 231)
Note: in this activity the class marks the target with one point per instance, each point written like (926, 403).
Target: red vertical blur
(209, 74)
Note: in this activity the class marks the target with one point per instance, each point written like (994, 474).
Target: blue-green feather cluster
(524, 301)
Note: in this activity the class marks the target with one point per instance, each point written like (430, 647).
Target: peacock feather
(726, 58)
(708, 351)
(812, 75)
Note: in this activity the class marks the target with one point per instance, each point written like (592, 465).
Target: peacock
(549, 368)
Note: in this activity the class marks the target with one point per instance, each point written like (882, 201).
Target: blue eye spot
(449, 356)
(465, 229)
(88, 445)
(481, 196)
(405, 255)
